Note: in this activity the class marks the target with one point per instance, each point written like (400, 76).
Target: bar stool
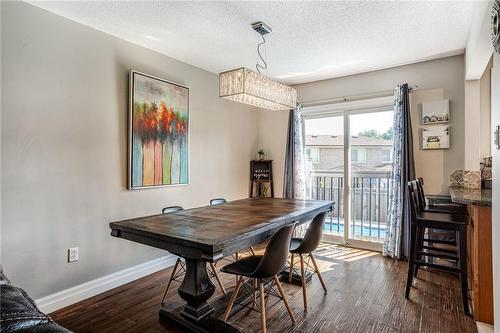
(263, 271)
(420, 220)
(304, 247)
(444, 205)
(438, 204)
(180, 267)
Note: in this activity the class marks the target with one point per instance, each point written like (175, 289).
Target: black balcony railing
(369, 202)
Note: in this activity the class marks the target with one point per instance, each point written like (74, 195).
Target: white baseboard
(484, 328)
(88, 289)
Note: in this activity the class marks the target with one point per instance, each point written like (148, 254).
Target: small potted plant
(261, 154)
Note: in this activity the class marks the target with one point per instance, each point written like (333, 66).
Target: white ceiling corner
(479, 46)
(310, 40)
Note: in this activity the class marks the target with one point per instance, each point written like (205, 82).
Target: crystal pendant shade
(249, 87)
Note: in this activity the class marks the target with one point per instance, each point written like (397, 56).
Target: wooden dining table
(208, 234)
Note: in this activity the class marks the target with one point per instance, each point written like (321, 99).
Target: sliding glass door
(370, 170)
(355, 145)
(325, 167)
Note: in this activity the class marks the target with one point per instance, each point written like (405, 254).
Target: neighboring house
(326, 153)
(370, 168)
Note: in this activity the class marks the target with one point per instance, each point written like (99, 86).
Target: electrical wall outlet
(73, 254)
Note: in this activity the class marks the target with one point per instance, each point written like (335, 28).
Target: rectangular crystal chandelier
(246, 86)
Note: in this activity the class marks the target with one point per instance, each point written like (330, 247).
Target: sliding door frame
(345, 110)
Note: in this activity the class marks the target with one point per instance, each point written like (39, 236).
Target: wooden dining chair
(440, 204)
(180, 267)
(423, 249)
(263, 272)
(304, 248)
(437, 204)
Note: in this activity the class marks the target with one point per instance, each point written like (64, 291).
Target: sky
(380, 121)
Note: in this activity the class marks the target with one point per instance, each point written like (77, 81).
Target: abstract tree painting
(158, 132)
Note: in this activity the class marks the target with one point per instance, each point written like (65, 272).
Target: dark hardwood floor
(365, 294)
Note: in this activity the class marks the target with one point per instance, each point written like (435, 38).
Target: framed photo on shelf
(435, 112)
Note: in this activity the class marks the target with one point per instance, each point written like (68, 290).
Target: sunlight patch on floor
(333, 252)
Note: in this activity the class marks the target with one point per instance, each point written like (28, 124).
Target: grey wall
(63, 141)
(446, 74)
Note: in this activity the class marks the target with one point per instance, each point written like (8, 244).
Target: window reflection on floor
(331, 252)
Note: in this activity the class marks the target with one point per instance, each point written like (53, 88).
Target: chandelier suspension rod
(258, 66)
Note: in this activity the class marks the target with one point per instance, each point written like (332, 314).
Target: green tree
(371, 133)
(388, 134)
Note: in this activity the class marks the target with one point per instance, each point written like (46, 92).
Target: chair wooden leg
(252, 250)
(254, 284)
(317, 272)
(285, 300)
(212, 266)
(262, 307)
(411, 259)
(303, 278)
(170, 281)
(236, 258)
(233, 298)
(291, 269)
(418, 244)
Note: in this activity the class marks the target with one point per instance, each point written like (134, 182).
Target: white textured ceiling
(310, 40)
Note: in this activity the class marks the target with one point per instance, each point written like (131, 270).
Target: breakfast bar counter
(479, 249)
(479, 197)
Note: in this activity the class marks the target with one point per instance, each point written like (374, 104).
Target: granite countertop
(480, 197)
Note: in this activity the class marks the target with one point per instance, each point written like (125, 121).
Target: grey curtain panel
(289, 158)
(397, 237)
(294, 185)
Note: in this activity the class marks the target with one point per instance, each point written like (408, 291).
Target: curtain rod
(341, 99)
